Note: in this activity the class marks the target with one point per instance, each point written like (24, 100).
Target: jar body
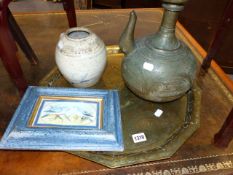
(81, 57)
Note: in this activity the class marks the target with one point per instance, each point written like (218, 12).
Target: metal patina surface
(165, 134)
(158, 67)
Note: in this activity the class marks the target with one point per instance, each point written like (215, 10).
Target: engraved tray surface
(164, 135)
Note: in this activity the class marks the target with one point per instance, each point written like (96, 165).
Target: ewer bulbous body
(159, 67)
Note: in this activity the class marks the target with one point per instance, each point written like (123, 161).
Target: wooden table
(198, 154)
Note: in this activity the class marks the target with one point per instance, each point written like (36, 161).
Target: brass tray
(165, 134)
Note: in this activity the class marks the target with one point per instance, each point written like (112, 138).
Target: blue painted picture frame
(69, 119)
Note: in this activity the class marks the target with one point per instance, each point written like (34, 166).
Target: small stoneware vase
(80, 57)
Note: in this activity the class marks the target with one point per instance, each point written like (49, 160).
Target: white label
(148, 66)
(140, 137)
(158, 113)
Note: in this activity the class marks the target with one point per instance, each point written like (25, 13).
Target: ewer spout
(127, 37)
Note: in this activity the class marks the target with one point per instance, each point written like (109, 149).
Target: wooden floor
(42, 31)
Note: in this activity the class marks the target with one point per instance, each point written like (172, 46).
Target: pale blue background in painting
(65, 109)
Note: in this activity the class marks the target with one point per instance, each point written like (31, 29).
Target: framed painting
(66, 119)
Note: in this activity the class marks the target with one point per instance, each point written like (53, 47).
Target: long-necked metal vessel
(159, 67)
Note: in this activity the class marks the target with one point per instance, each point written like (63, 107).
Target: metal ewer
(159, 67)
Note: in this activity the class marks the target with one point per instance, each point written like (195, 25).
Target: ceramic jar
(80, 56)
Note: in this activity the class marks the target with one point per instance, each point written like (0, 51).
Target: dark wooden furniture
(8, 49)
(225, 135)
(201, 18)
(68, 6)
(140, 3)
(126, 3)
(107, 4)
(219, 35)
(10, 32)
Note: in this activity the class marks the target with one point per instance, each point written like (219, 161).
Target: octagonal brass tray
(164, 134)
